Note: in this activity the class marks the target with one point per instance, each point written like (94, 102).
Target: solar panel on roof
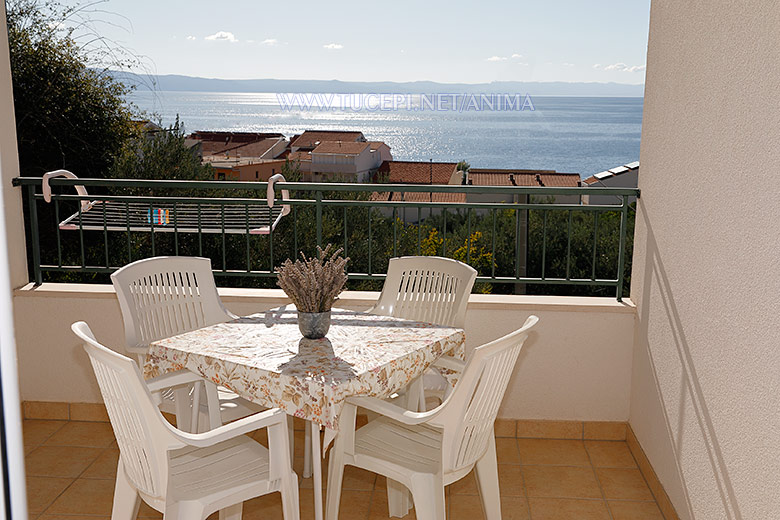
(603, 175)
(633, 165)
(619, 169)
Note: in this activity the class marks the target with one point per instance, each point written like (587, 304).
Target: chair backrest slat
(139, 428)
(427, 288)
(165, 296)
(469, 412)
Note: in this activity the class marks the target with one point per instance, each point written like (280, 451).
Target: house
(251, 161)
(343, 160)
(310, 139)
(217, 142)
(246, 169)
(626, 176)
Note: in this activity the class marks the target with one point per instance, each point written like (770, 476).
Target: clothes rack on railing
(167, 217)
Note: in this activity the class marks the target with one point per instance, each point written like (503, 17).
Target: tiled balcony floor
(71, 468)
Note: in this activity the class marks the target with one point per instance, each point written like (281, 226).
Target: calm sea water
(567, 134)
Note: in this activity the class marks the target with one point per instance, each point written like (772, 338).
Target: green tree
(69, 114)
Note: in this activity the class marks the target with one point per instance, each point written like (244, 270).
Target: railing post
(318, 196)
(34, 236)
(622, 247)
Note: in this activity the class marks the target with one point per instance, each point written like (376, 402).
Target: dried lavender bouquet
(313, 284)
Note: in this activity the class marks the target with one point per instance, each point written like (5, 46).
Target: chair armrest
(254, 422)
(450, 363)
(180, 377)
(393, 411)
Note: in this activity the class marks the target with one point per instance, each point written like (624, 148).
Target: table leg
(316, 459)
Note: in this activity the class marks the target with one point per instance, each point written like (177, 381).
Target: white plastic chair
(185, 476)
(168, 295)
(429, 289)
(425, 451)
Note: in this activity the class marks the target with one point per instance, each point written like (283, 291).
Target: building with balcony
(683, 374)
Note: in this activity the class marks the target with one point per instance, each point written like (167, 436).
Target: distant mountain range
(173, 82)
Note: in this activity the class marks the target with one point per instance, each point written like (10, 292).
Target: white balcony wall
(706, 383)
(577, 367)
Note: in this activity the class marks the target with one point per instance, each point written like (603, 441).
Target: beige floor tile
(510, 480)
(73, 517)
(379, 509)
(146, 511)
(567, 509)
(85, 497)
(59, 461)
(506, 451)
(635, 510)
(465, 507)
(266, 507)
(610, 454)
(514, 508)
(355, 479)
(104, 466)
(552, 452)
(354, 505)
(35, 432)
(466, 486)
(549, 429)
(623, 484)
(561, 482)
(87, 434)
(42, 491)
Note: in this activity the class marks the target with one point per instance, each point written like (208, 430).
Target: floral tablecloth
(263, 358)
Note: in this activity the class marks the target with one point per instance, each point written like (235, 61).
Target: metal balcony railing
(516, 237)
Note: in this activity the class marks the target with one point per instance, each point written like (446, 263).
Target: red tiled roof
(310, 138)
(419, 197)
(256, 149)
(340, 147)
(217, 142)
(299, 156)
(416, 172)
(549, 178)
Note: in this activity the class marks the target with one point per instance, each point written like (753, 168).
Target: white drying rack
(111, 215)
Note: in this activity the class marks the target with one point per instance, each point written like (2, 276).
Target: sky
(470, 42)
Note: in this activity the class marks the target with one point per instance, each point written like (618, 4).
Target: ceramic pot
(314, 325)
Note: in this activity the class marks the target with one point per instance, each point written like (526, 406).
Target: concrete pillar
(9, 168)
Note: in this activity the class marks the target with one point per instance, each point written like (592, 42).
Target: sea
(585, 135)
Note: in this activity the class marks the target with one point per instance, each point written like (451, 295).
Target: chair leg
(126, 499)
(486, 471)
(183, 405)
(335, 478)
(212, 399)
(291, 436)
(290, 499)
(428, 494)
(398, 499)
(232, 513)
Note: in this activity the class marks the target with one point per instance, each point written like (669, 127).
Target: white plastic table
(264, 359)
